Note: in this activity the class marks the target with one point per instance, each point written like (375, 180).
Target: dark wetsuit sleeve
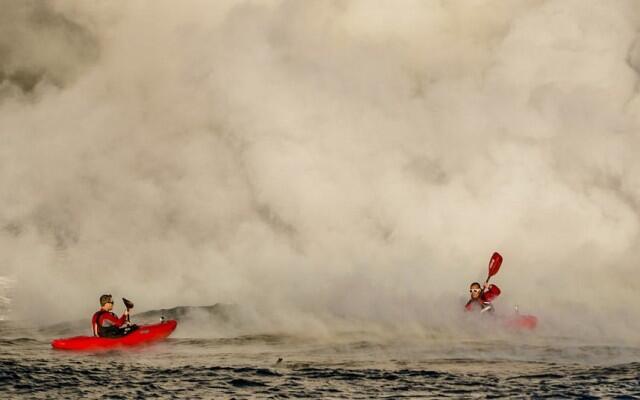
(115, 321)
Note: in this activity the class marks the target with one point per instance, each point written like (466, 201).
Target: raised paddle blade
(127, 303)
(494, 264)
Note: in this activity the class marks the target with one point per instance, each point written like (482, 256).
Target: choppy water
(345, 366)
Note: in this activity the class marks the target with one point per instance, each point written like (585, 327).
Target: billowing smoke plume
(321, 159)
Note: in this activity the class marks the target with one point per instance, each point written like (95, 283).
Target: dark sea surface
(349, 365)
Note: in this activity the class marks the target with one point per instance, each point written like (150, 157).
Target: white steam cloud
(352, 159)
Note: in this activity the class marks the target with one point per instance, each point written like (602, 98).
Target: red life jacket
(96, 328)
(103, 331)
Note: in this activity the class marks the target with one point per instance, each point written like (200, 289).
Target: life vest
(103, 331)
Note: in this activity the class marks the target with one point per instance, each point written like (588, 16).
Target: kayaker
(481, 297)
(107, 324)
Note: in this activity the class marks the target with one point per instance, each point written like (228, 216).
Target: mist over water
(323, 163)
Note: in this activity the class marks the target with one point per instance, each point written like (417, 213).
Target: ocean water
(355, 365)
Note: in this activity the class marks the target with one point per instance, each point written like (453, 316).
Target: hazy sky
(349, 159)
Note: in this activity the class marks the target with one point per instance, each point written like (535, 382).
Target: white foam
(6, 285)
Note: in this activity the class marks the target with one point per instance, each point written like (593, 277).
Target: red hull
(526, 322)
(143, 335)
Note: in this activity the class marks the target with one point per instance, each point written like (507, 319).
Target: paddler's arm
(115, 321)
(123, 318)
(469, 306)
(490, 292)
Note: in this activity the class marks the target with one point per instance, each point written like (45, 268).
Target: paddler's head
(475, 289)
(106, 302)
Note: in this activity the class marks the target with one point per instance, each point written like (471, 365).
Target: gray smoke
(322, 160)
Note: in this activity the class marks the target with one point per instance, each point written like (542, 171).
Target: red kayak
(143, 335)
(521, 322)
(513, 322)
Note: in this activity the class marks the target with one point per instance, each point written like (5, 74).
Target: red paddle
(494, 265)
